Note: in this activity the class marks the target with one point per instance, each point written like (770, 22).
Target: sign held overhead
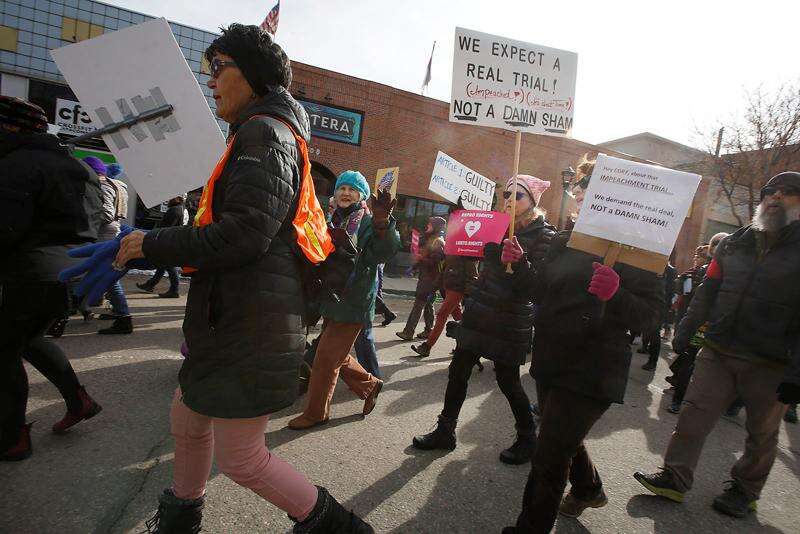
(452, 181)
(164, 156)
(511, 84)
(635, 204)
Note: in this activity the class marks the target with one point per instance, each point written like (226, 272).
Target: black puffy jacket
(243, 324)
(498, 321)
(48, 201)
(752, 302)
(460, 273)
(580, 344)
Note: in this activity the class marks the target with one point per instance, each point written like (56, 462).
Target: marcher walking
(749, 298)
(244, 317)
(460, 274)
(49, 202)
(115, 203)
(651, 341)
(581, 361)
(176, 215)
(430, 279)
(377, 242)
(497, 324)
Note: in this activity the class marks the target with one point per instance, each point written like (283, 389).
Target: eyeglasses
(520, 195)
(785, 190)
(216, 66)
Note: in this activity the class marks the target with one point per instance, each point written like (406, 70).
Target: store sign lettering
(335, 124)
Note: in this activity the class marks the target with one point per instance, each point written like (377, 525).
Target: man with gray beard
(750, 298)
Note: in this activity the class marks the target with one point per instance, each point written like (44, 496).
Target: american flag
(270, 23)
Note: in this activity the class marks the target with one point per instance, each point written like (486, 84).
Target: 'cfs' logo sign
(71, 118)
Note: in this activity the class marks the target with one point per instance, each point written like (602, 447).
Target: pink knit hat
(534, 186)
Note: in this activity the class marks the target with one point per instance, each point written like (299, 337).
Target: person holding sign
(497, 324)
(377, 242)
(581, 360)
(244, 314)
(749, 301)
(430, 279)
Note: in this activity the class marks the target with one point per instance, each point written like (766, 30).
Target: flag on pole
(428, 71)
(270, 23)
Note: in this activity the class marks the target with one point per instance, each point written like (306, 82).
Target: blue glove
(100, 274)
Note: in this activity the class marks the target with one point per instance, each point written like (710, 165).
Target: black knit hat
(262, 61)
(790, 178)
(20, 116)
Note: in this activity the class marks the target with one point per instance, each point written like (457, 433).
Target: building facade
(356, 124)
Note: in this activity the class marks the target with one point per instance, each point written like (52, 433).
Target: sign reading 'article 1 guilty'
(512, 84)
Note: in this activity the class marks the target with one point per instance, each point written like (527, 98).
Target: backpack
(327, 255)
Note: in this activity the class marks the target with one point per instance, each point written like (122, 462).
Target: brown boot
(303, 422)
(372, 398)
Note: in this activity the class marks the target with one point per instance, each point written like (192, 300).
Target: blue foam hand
(99, 270)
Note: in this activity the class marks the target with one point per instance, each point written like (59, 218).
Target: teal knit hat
(355, 180)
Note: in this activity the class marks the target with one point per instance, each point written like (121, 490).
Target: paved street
(105, 474)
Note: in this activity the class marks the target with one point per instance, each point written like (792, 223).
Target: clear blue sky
(663, 67)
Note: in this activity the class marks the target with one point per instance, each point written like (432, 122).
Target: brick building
(356, 124)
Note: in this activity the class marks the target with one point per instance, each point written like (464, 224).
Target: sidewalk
(401, 286)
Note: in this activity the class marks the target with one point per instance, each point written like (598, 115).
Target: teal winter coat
(357, 302)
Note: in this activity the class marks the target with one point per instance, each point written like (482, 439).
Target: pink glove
(605, 282)
(512, 251)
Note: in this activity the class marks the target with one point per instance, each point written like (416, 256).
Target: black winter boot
(443, 437)
(121, 325)
(176, 516)
(330, 517)
(521, 450)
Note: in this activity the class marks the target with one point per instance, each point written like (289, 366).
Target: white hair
(772, 222)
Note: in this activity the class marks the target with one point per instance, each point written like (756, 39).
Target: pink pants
(239, 447)
(451, 305)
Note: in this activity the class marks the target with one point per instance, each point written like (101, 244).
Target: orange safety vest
(310, 224)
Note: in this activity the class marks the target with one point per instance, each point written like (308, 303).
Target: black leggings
(507, 378)
(22, 327)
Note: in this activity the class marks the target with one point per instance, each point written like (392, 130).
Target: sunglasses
(216, 66)
(785, 190)
(520, 195)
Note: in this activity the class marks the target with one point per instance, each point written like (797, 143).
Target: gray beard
(774, 222)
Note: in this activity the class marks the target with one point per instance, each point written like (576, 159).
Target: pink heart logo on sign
(472, 228)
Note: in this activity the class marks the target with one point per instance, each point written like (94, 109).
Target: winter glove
(99, 272)
(382, 207)
(605, 282)
(789, 393)
(680, 343)
(184, 350)
(512, 251)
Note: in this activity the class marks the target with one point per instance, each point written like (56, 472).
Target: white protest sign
(130, 71)
(511, 84)
(635, 204)
(452, 180)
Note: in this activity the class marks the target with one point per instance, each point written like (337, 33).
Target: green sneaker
(662, 484)
(734, 501)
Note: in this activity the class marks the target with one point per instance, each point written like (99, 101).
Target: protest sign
(415, 242)
(641, 207)
(469, 231)
(511, 84)
(124, 73)
(387, 179)
(452, 181)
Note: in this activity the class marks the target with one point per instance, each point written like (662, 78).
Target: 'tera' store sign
(337, 124)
